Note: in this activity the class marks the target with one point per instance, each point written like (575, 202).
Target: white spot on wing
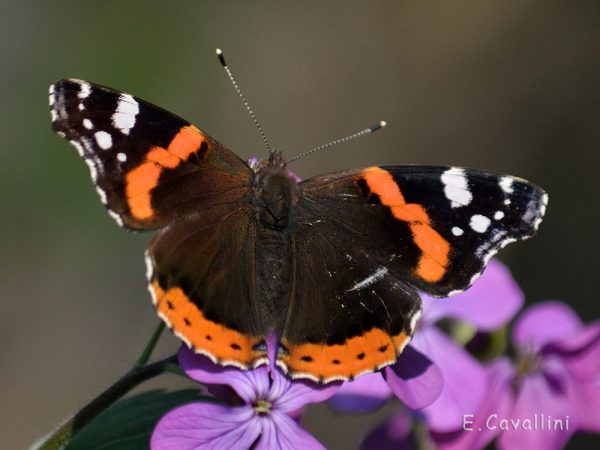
(375, 276)
(85, 90)
(399, 350)
(124, 116)
(544, 204)
(103, 139)
(457, 231)
(78, 146)
(149, 265)
(92, 167)
(506, 184)
(121, 157)
(53, 115)
(87, 144)
(542, 211)
(498, 215)
(115, 216)
(102, 195)
(479, 223)
(414, 320)
(81, 107)
(454, 292)
(456, 187)
(88, 124)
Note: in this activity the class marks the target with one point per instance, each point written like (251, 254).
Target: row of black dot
(304, 358)
(233, 345)
(359, 356)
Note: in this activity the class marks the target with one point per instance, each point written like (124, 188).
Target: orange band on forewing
(142, 179)
(205, 336)
(432, 265)
(163, 158)
(358, 355)
(435, 249)
(186, 142)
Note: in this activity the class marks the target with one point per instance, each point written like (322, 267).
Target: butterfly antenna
(237, 89)
(371, 129)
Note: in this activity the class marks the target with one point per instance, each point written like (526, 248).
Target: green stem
(145, 356)
(139, 373)
(131, 379)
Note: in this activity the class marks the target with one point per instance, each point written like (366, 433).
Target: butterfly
(332, 265)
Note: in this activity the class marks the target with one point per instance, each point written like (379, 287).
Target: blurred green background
(508, 86)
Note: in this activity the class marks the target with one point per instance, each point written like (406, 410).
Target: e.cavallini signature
(535, 422)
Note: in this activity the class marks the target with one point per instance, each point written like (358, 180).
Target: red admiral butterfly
(332, 264)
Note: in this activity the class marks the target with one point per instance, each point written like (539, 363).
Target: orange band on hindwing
(142, 179)
(358, 355)
(226, 346)
(434, 248)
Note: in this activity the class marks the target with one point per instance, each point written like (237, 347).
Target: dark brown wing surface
(366, 240)
(203, 280)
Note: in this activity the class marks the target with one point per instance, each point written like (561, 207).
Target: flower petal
(491, 302)
(480, 427)
(282, 432)
(249, 385)
(465, 380)
(586, 400)
(365, 394)
(290, 395)
(414, 379)
(580, 352)
(543, 396)
(197, 426)
(532, 329)
(394, 434)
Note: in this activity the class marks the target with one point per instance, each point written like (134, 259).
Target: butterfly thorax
(277, 193)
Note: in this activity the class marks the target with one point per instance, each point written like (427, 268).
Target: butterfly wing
(203, 283)
(379, 234)
(152, 170)
(435, 227)
(149, 166)
(348, 314)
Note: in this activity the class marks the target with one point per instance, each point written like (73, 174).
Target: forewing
(148, 165)
(433, 227)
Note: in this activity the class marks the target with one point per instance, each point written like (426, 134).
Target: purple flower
(551, 391)
(363, 395)
(394, 434)
(492, 301)
(433, 370)
(260, 408)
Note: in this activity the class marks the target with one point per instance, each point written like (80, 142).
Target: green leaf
(128, 424)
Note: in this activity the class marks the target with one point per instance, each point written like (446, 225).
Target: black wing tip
(69, 81)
